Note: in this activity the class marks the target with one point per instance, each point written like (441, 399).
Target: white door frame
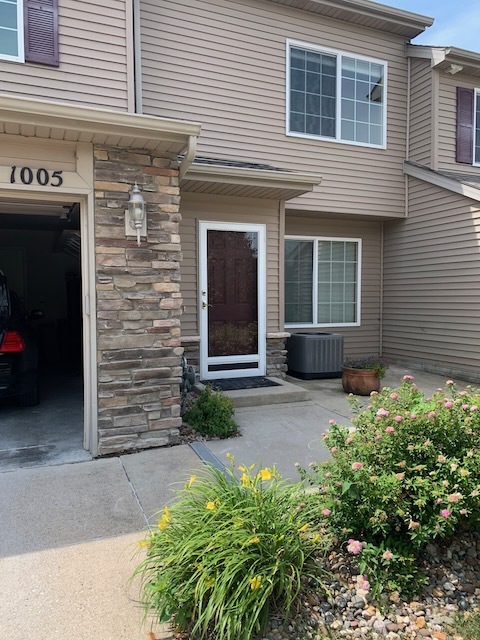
(261, 357)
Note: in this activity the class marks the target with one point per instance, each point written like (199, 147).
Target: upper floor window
(322, 281)
(11, 30)
(335, 96)
(29, 31)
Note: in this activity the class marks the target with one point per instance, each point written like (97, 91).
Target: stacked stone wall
(138, 303)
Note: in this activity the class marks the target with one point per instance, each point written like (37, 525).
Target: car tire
(30, 399)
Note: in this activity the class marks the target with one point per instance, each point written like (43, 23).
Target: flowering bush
(407, 474)
(227, 552)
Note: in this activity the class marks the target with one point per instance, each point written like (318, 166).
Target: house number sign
(41, 176)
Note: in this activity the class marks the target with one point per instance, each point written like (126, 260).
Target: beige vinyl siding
(202, 207)
(447, 120)
(421, 104)
(93, 58)
(365, 339)
(431, 281)
(223, 63)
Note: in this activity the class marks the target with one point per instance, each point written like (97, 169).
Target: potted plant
(361, 376)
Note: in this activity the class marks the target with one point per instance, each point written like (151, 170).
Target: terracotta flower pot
(360, 382)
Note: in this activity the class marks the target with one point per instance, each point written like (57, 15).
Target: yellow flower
(255, 582)
(305, 527)
(191, 481)
(464, 473)
(245, 480)
(210, 505)
(164, 519)
(242, 468)
(265, 474)
(144, 543)
(316, 537)
(210, 582)
(254, 540)
(230, 457)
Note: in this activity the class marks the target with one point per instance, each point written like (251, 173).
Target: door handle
(205, 305)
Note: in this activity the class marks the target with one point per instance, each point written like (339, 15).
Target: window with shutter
(41, 31)
(465, 130)
(29, 31)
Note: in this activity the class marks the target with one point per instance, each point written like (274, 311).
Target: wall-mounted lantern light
(135, 215)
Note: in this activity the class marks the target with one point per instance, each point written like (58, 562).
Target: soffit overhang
(366, 14)
(60, 121)
(247, 182)
(448, 59)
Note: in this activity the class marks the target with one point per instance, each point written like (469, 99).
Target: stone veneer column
(138, 303)
(277, 354)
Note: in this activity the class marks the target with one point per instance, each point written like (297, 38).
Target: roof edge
(245, 175)
(433, 177)
(59, 114)
(437, 55)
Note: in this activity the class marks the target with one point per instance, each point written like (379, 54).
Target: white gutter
(137, 46)
(439, 180)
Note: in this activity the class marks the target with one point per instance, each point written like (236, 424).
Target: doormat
(239, 384)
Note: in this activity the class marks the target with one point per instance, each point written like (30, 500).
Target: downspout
(382, 258)
(407, 146)
(189, 156)
(137, 49)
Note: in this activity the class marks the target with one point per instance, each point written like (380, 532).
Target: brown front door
(233, 264)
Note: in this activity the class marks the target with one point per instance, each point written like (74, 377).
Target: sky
(457, 22)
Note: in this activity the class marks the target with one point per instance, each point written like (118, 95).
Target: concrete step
(285, 392)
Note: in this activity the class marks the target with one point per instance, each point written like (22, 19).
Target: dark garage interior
(40, 259)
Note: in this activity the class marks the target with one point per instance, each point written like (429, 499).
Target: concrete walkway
(69, 533)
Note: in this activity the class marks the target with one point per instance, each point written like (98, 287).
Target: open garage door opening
(41, 367)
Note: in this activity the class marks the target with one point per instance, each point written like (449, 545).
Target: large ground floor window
(322, 281)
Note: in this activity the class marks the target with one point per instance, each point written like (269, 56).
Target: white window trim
(315, 239)
(338, 54)
(20, 37)
(476, 99)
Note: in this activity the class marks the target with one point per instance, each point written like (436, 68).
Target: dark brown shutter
(41, 31)
(465, 99)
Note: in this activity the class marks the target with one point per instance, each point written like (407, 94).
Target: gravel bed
(453, 572)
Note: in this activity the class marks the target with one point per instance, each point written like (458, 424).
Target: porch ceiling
(59, 121)
(247, 181)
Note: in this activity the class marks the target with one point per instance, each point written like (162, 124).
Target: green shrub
(227, 553)
(406, 475)
(211, 414)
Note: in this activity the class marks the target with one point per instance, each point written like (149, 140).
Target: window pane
(337, 281)
(8, 28)
(317, 84)
(8, 42)
(298, 281)
(362, 82)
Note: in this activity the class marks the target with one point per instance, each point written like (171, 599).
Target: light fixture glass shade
(136, 211)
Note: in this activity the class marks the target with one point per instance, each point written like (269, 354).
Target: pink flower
(398, 419)
(449, 404)
(399, 476)
(462, 393)
(328, 474)
(413, 525)
(407, 377)
(439, 501)
(394, 396)
(363, 583)
(445, 513)
(356, 466)
(454, 497)
(378, 437)
(349, 440)
(388, 555)
(464, 407)
(389, 430)
(383, 412)
(450, 382)
(473, 409)
(413, 416)
(332, 422)
(333, 450)
(354, 546)
(431, 414)
(326, 512)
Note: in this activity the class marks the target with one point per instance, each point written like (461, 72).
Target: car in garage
(18, 348)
